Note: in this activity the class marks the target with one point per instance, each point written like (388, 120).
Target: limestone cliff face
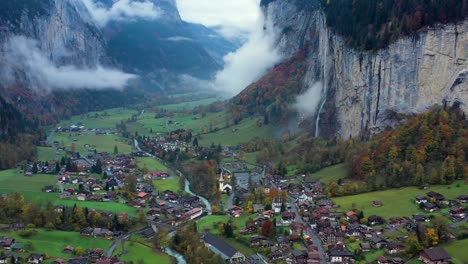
(359, 88)
(63, 30)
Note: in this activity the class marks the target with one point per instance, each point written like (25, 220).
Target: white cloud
(179, 38)
(249, 62)
(233, 17)
(307, 104)
(121, 10)
(22, 54)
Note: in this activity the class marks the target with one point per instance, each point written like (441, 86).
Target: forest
(429, 148)
(374, 24)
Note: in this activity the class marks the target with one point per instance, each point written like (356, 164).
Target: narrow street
(313, 236)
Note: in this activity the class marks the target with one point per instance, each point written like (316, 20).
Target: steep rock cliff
(359, 88)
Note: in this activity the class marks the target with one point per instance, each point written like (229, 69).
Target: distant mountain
(213, 42)
(166, 45)
(163, 52)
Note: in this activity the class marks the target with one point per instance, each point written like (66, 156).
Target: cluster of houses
(313, 214)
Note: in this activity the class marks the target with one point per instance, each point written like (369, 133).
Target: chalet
(306, 197)
(287, 218)
(300, 255)
(48, 188)
(365, 247)
(236, 211)
(36, 258)
(457, 212)
(143, 195)
(19, 226)
(258, 208)
(383, 260)
(257, 240)
(68, 249)
(277, 204)
(96, 187)
(421, 218)
(81, 197)
(430, 207)
(331, 236)
(82, 260)
(377, 203)
(420, 199)
(95, 254)
(297, 228)
(377, 241)
(353, 230)
(194, 213)
(59, 261)
(323, 203)
(160, 174)
(435, 255)
(436, 196)
(268, 213)
(112, 184)
(218, 246)
(394, 248)
(276, 253)
(463, 198)
(375, 220)
(7, 243)
(339, 254)
(4, 260)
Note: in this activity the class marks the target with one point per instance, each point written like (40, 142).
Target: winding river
(179, 257)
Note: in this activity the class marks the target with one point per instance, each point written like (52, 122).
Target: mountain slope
(165, 44)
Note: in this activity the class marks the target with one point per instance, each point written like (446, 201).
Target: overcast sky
(233, 16)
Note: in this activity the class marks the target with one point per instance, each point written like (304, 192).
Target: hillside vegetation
(374, 24)
(427, 149)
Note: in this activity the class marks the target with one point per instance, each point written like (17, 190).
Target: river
(179, 257)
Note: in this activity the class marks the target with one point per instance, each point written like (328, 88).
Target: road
(117, 241)
(313, 236)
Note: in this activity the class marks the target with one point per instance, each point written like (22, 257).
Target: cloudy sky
(233, 16)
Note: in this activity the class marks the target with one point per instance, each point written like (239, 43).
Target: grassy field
(209, 221)
(101, 143)
(89, 120)
(245, 131)
(197, 123)
(330, 174)
(458, 251)
(100, 206)
(46, 154)
(53, 242)
(152, 164)
(138, 251)
(29, 187)
(396, 202)
(171, 184)
(188, 105)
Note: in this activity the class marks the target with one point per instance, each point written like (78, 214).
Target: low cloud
(307, 104)
(22, 54)
(179, 38)
(249, 62)
(121, 10)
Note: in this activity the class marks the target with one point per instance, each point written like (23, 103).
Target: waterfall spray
(324, 47)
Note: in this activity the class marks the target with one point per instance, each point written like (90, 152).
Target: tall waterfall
(324, 53)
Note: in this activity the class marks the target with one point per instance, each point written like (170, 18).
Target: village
(283, 219)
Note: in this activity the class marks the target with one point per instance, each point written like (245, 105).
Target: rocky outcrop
(359, 88)
(64, 32)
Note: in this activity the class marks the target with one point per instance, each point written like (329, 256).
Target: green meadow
(103, 119)
(99, 206)
(29, 187)
(102, 143)
(397, 202)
